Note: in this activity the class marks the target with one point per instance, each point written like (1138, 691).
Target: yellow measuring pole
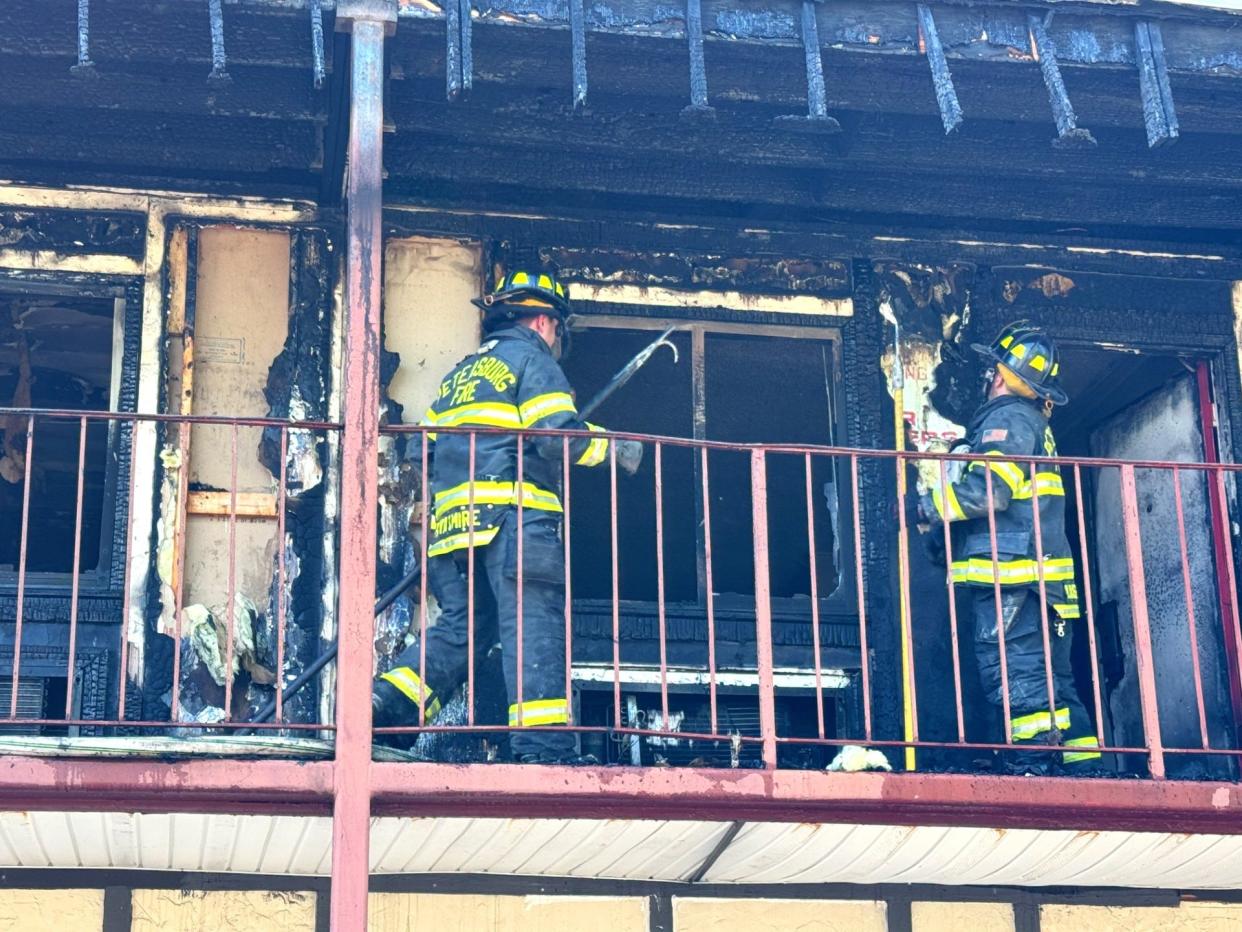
(903, 556)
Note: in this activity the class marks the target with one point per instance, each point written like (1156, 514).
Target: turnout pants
(541, 698)
(1030, 720)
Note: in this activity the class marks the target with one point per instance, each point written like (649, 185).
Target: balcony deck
(116, 778)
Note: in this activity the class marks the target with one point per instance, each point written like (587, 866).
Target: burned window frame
(842, 600)
(108, 577)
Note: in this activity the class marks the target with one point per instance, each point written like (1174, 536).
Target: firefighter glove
(629, 455)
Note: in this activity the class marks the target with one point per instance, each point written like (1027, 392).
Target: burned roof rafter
(1082, 35)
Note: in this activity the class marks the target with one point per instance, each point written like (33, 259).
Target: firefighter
(512, 380)
(1022, 386)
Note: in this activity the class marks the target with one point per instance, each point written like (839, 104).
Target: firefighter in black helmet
(511, 381)
(1022, 386)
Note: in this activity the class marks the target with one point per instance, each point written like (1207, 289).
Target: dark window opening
(56, 352)
(729, 386)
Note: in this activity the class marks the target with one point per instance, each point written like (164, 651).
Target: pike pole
(903, 547)
(624, 374)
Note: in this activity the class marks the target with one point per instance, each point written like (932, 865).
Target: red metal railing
(814, 701)
(119, 438)
(1182, 635)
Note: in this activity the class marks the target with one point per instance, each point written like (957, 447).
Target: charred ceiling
(633, 107)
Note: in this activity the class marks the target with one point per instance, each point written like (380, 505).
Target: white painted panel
(634, 849)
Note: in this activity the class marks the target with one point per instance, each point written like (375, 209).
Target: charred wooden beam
(817, 117)
(942, 80)
(84, 67)
(577, 37)
(219, 63)
(459, 48)
(316, 14)
(452, 49)
(1159, 116)
(74, 232)
(466, 23)
(698, 65)
(1069, 135)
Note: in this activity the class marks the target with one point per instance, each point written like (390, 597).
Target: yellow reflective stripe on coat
(947, 505)
(1076, 757)
(1010, 473)
(1049, 483)
(596, 450)
(1067, 610)
(481, 414)
(541, 406)
(1012, 572)
(461, 540)
(539, 712)
(1028, 726)
(414, 689)
(495, 493)
(429, 420)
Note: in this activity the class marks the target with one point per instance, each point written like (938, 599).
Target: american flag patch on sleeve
(995, 435)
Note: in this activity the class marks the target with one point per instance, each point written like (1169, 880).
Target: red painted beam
(513, 791)
(266, 786)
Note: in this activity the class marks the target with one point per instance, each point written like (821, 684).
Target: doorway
(1132, 405)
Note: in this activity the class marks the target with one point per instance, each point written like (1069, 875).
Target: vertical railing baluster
(1142, 630)
(521, 533)
(763, 607)
(1006, 709)
(663, 623)
(910, 684)
(470, 521)
(710, 598)
(71, 660)
(281, 571)
(1054, 733)
(616, 586)
(231, 609)
(1090, 605)
(423, 585)
(1190, 605)
(814, 569)
(860, 585)
(569, 602)
(126, 601)
(952, 589)
(21, 566)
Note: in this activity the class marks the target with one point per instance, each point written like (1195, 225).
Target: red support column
(369, 21)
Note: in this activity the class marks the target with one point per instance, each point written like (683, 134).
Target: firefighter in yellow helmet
(511, 381)
(1022, 385)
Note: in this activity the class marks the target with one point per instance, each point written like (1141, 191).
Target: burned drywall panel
(428, 317)
(241, 299)
(1163, 426)
(429, 325)
(298, 387)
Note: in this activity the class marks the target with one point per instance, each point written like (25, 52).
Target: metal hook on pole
(628, 370)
